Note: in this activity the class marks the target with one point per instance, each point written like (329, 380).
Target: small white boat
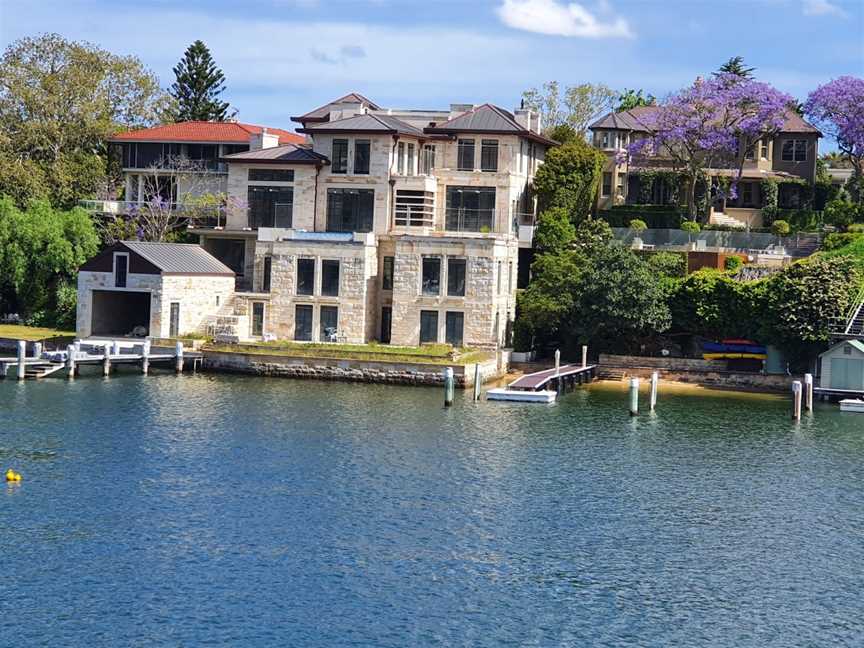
(852, 405)
(504, 394)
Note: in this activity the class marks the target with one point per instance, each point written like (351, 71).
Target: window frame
(121, 279)
(358, 161)
(267, 273)
(252, 319)
(306, 261)
(452, 316)
(400, 158)
(487, 146)
(327, 266)
(454, 291)
(339, 161)
(355, 205)
(426, 284)
(428, 315)
(173, 319)
(328, 308)
(304, 308)
(463, 147)
(275, 175)
(387, 272)
(606, 189)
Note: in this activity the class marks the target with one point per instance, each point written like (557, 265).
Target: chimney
(263, 140)
(459, 109)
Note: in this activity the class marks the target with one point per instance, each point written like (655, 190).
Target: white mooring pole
(808, 392)
(655, 380)
(796, 400)
(584, 355)
(449, 387)
(145, 357)
(70, 360)
(557, 361)
(634, 396)
(478, 382)
(37, 350)
(106, 359)
(178, 351)
(22, 359)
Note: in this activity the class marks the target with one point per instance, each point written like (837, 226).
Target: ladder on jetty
(534, 387)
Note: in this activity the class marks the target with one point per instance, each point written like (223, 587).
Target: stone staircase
(719, 218)
(610, 373)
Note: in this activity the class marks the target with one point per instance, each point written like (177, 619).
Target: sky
(286, 57)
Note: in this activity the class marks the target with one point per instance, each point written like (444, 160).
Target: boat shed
(137, 289)
(842, 367)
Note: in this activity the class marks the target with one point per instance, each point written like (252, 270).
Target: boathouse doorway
(120, 313)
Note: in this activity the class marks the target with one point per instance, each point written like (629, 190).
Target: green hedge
(655, 216)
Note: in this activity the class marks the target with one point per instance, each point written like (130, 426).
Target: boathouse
(136, 289)
(842, 367)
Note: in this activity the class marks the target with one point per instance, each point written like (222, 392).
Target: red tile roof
(203, 131)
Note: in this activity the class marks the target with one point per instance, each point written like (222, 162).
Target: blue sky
(284, 57)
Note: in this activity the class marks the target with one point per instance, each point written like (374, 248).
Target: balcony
(462, 219)
(195, 215)
(424, 183)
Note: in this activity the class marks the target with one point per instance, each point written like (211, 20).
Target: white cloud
(822, 8)
(560, 19)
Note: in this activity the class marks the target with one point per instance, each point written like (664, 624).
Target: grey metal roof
(366, 124)
(179, 258)
(323, 112)
(487, 119)
(287, 153)
(638, 119)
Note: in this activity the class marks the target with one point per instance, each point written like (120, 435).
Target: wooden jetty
(535, 387)
(104, 353)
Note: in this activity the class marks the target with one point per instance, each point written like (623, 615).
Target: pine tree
(735, 65)
(198, 86)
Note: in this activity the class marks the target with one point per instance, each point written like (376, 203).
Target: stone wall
(303, 210)
(402, 373)
(672, 364)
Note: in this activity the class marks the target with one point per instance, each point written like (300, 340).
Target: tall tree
(568, 178)
(837, 108)
(59, 101)
(577, 108)
(630, 99)
(199, 86)
(735, 66)
(710, 125)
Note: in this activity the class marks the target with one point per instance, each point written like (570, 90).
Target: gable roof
(635, 119)
(858, 344)
(487, 119)
(368, 123)
(204, 131)
(322, 113)
(285, 154)
(179, 258)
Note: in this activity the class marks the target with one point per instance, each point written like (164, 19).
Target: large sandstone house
(401, 226)
(787, 158)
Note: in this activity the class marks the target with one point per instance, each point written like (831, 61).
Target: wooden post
(634, 396)
(145, 357)
(584, 355)
(796, 400)
(655, 380)
(478, 383)
(808, 392)
(22, 359)
(449, 387)
(70, 360)
(178, 351)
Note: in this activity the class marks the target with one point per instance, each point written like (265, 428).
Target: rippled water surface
(230, 511)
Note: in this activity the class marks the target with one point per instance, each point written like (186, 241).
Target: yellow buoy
(12, 476)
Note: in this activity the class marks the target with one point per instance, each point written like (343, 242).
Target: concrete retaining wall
(371, 371)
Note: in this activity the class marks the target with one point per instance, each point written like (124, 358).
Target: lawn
(31, 333)
(439, 354)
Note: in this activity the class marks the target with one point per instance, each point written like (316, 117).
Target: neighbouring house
(788, 159)
(842, 367)
(156, 289)
(402, 226)
(173, 162)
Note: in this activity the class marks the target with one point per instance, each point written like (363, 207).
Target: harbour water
(227, 510)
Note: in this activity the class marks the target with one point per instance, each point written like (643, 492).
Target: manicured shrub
(638, 225)
(732, 263)
(691, 227)
(780, 228)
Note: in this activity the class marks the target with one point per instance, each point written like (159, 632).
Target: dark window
(428, 326)
(230, 149)
(231, 252)
(303, 323)
(794, 150)
(174, 320)
(361, 157)
(330, 278)
(350, 210)
(149, 155)
(800, 150)
(607, 184)
(202, 152)
(386, 323)
(427, 164)
(305, 276)
(409, 166)
(329, 323)
(121, 269)
(339, 161)
(456, 277)
(387, 279)
(268, 270)
(271, 175)
(489, 155)
(271, 206)
(470, 209)
(465, 161)
(431, 275)
(454, 324)
(257, 319)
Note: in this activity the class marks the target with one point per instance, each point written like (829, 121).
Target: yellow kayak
(734, 356)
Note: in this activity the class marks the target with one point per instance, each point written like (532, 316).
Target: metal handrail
(853, 311)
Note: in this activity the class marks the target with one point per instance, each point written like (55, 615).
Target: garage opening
(121, 313)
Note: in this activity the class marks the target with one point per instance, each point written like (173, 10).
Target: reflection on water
(196, 510)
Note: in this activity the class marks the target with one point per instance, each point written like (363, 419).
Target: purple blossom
(837, 108)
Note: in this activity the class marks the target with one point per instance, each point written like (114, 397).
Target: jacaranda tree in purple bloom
(710, 125)
(837, 108)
